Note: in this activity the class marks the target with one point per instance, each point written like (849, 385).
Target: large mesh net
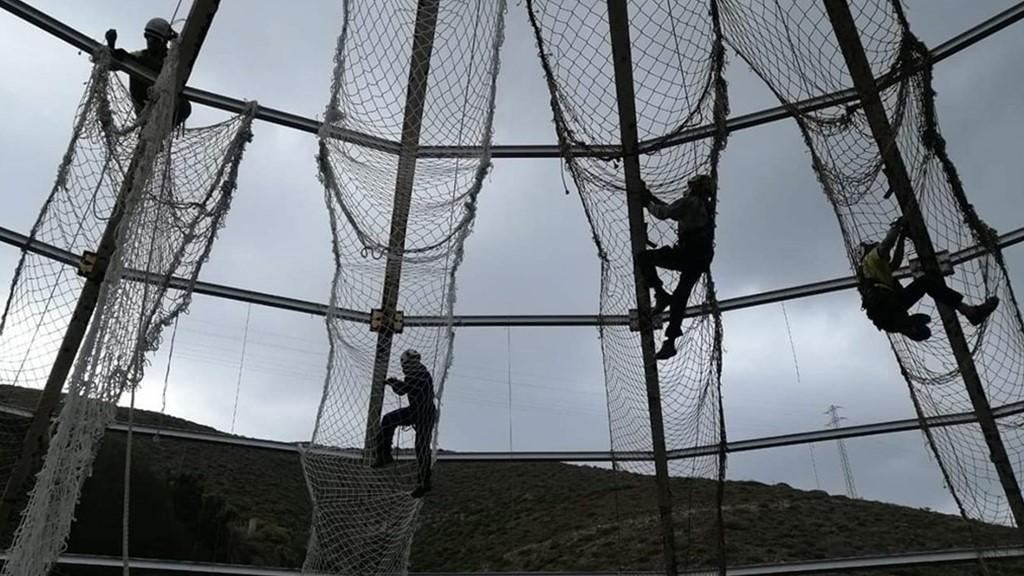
(172, 191)
(420, 73)
(678, 62)
(792, 46)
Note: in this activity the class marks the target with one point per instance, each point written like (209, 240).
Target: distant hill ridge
(206, 501)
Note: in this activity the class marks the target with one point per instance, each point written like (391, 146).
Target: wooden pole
(416, 92)
(899, 182)
(618, 22)
(36, 438)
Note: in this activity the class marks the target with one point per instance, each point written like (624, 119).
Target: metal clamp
(87, 265)
(634, 321)
(943, 259)
(378, 323)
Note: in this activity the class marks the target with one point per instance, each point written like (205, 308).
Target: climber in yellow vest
(158, 33)
(887, 302)
(691, 255)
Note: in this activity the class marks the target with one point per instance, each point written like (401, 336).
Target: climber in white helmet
(158, 33)
(421, 414)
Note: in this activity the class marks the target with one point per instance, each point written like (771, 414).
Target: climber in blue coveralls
(421, 414)
(691, 255)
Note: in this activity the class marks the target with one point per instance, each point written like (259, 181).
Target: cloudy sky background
(531, 249)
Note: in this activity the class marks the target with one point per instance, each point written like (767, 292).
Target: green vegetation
(202, 501)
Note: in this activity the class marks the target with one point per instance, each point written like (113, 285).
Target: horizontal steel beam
(13, 238)
(823, 435)
(19, 240)
(945, 50)
(862, 563)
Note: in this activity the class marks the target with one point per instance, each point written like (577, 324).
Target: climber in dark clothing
(887, 302)
(691, 255)
(158, 33)
(420, 414)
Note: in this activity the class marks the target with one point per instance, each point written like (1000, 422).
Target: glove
(647, 197)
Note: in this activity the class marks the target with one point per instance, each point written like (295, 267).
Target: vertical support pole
(416, 92)
(900, 183)
(618, 23)
(36, 438)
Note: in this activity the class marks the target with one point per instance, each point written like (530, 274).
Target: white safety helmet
(160, 28)
(410, 356)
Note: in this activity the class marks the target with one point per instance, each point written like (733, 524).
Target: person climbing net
(887, 302)
(158, 33)
(420, 414)
(691, 255)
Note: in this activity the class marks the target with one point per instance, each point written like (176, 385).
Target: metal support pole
(618, 22)
(416, 92)
(37, 436)
(900, 183)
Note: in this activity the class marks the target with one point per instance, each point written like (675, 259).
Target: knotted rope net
(792, 46)
(173, 189)
(678, 62)
(417, 73)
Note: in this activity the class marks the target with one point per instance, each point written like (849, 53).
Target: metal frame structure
(952, 46)
(878, 562)
(735, 446)
(16, 239)
(609, 151)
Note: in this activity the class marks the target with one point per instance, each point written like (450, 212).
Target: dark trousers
(913, 292)
(691, 264)
(888, 308)
(422, 421)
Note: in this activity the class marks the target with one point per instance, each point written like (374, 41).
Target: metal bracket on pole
(87, 265)
(633, 319)
(942, 259)
(900, 183)
(380, 322)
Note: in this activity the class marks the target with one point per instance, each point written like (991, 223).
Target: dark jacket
(139, 87)
(696, 226)
(418, 385)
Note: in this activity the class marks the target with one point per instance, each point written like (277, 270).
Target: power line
(814, 467)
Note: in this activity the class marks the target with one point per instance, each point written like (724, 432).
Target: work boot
(916, 327)
(668, 350)
(978, 314)
(662, 300)
(420, 490)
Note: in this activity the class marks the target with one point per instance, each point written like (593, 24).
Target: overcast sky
(531, 250)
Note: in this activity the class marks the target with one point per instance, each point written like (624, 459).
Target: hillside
(211, 502)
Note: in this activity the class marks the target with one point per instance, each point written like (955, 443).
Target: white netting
(363, 518)
(792, 46)
(678, 61)
(178, 193)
